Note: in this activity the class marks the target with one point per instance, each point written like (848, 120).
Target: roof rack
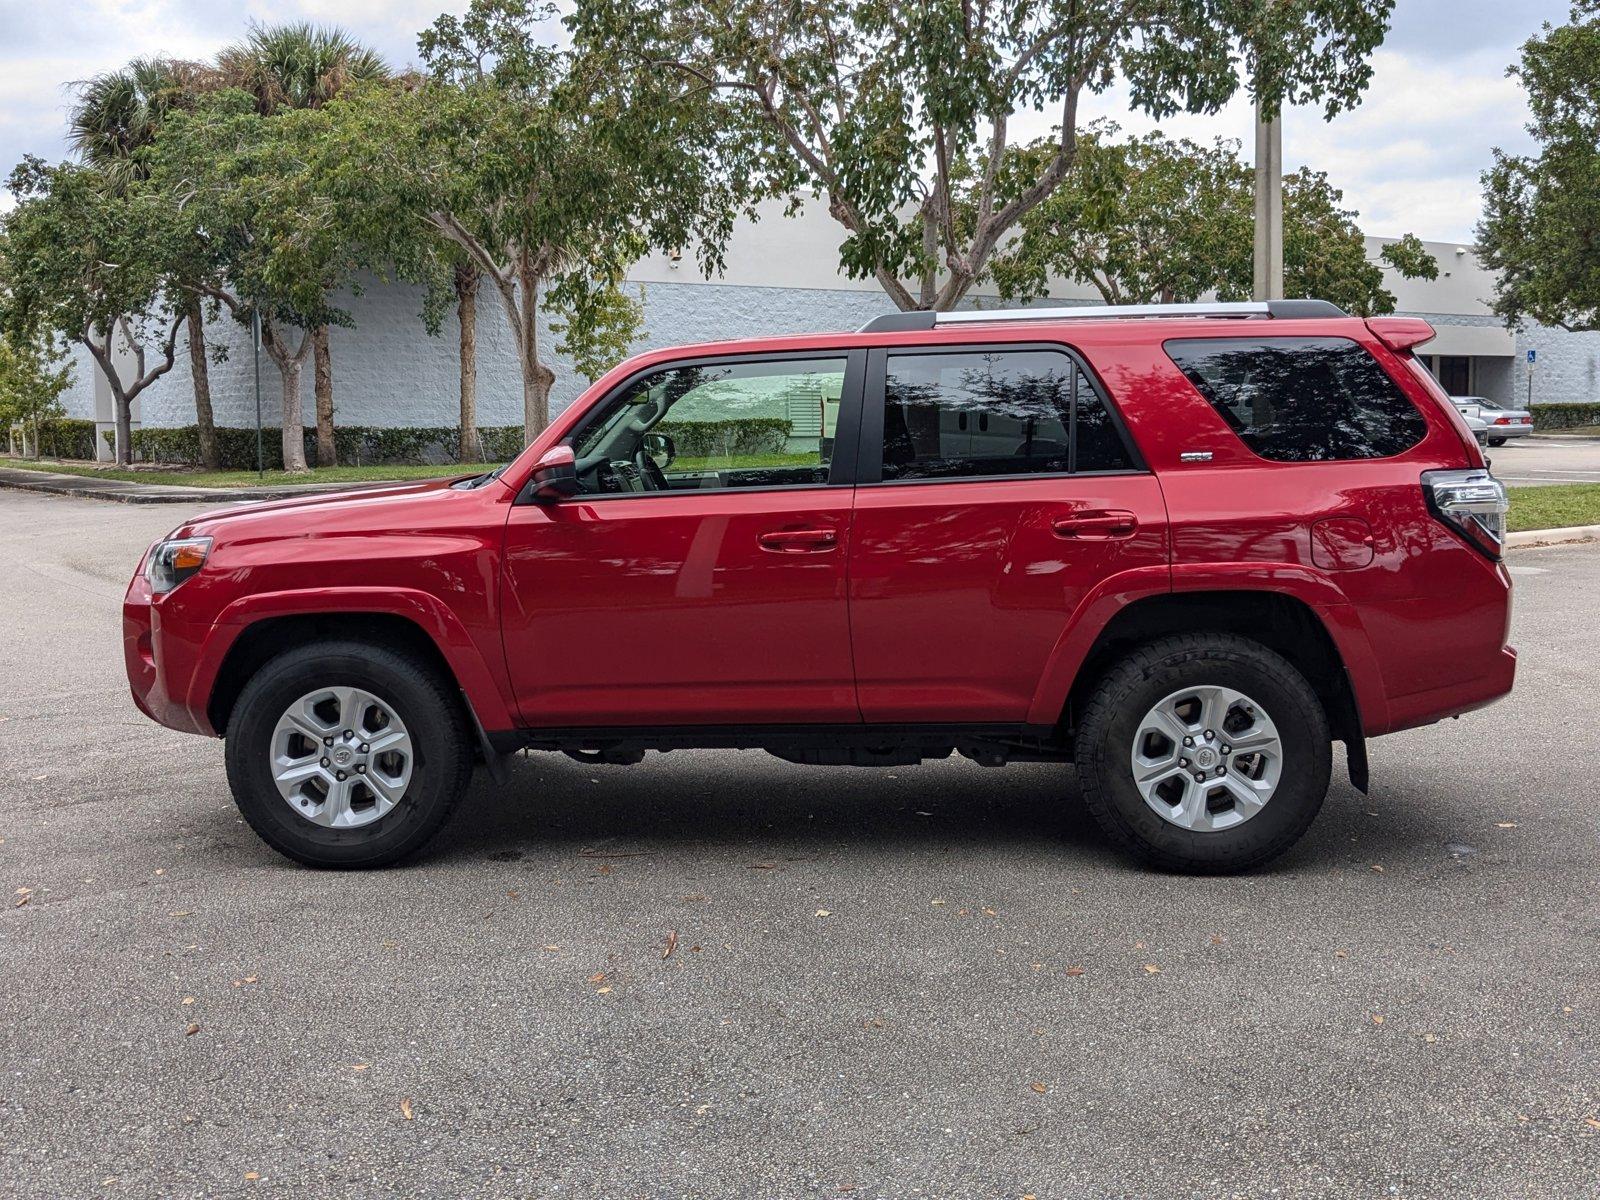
(1281, 310)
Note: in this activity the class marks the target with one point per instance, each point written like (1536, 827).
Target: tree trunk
(536, 376)
(470, 447)
(294, 433)
(327, 453)
(124, 414)
(200, 373)
(289, 364)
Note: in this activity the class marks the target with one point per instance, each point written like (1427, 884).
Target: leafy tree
(1159, 220)
(891, 109)
(1140, 220)
(91, 260)
(551, 172)
(112, 125)
(249, 207)
(302, 66)
(1541, 219)
(1411, 258)
(1325, 255)
(34, 371)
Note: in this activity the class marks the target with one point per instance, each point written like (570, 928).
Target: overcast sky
(1408, 158)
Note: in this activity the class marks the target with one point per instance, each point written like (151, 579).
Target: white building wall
(781, 276)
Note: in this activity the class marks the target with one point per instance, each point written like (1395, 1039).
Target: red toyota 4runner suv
(1184, 549)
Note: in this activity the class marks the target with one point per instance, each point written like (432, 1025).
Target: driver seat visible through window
(716, 426)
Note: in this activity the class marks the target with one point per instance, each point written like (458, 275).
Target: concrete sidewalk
(92, 488)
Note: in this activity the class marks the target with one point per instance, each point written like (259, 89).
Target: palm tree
(298, 65)
(301, 65)
(117, 116)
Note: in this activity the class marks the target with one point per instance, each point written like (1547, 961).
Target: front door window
(715, 427)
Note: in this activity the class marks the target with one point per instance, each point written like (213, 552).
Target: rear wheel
(1204, 752)
(1497, 441)
(347, 754)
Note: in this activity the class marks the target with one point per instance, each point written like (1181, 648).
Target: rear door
(997, 489)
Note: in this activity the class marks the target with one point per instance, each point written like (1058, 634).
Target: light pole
(255, 329)
(1269, 206)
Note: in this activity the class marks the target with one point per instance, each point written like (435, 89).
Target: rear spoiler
(1401, 333)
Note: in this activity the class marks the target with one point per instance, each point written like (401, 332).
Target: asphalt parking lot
(934, 981)
(1537, 461)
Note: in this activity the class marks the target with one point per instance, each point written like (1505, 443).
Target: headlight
(171, 562)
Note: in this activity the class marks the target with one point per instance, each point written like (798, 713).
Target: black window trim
(869, 456)
(842, 467)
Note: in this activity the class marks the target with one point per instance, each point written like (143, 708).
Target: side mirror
(661, 449)
(555, 475)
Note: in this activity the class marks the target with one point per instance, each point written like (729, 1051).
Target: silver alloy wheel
(1207, 758)
(341, 757)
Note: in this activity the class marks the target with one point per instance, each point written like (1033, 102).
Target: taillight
(1502, 420)
(1473, 503)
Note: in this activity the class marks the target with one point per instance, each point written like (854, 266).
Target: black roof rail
(901, 322)
(1298, 310)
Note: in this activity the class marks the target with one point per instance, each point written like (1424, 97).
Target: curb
(120, 492)
(1572, 535)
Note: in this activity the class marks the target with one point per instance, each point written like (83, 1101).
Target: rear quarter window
(1301, 399)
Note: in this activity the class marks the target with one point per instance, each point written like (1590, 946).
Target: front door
(698, 577)
(997, 489)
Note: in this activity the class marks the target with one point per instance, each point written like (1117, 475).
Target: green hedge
(1565, 416)
(66, 437)
(357, 445)
(747, 435)
(362, 445)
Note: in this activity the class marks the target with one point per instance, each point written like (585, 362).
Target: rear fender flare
(1309, 586)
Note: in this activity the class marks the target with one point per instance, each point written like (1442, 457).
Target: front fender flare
(485, 691)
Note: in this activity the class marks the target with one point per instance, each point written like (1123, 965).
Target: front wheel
(347, 754)
(1204, 752)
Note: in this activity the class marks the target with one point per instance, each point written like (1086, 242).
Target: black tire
(427, 704)
(1147, 675)
(1497, 442)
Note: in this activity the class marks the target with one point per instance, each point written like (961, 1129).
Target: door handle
(798, 541)
(1096, 525)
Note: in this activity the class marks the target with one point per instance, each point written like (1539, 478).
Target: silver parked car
(1471, 411)
(1502, 423)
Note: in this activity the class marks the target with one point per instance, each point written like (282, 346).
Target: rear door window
(994, 413)
(1301, 399)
